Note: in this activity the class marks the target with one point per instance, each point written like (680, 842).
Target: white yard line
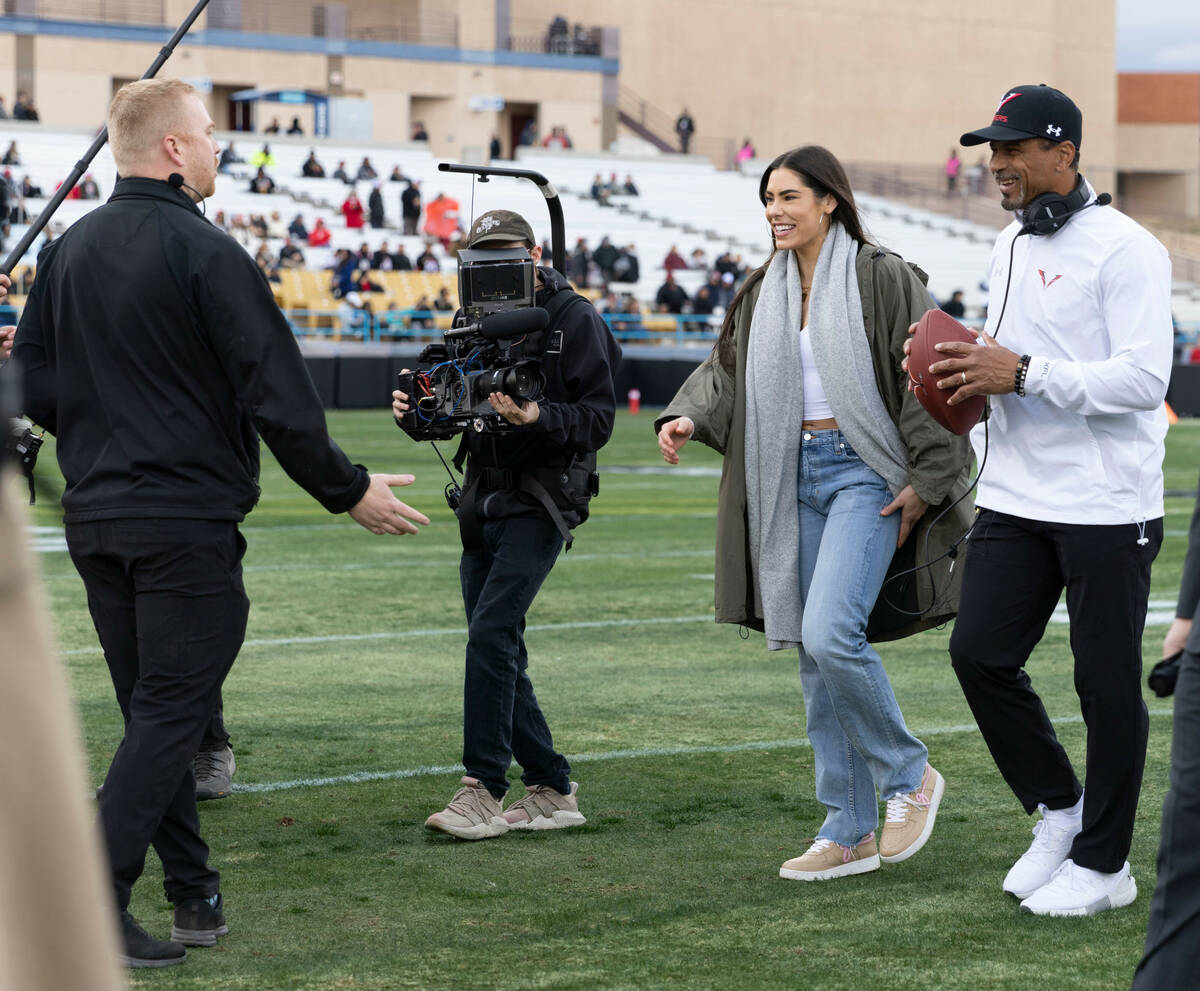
(359, 777)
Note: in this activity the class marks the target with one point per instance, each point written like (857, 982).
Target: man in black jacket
(511, 539)
(153, 350)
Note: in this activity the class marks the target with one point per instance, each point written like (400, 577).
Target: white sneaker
(1075, 890)
(1053, 835)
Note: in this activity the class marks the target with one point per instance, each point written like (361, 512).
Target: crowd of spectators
(22, 109)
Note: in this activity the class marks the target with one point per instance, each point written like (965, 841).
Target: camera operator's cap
(500, 227)
(1032, 112)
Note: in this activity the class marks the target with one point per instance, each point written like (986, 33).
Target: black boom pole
(61, 193)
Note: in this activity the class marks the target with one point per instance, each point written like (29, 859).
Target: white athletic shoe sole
(1124, 894)
(496, 826)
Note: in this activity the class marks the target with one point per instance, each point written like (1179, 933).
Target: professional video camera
(493, 349)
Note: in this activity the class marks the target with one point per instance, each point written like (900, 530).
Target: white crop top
(816, 405)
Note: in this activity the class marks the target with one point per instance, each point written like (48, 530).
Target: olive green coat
(893, 297)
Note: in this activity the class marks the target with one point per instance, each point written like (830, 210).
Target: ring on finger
(964, 378)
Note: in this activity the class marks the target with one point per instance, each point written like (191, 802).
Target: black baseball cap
(1032, 112)
(500, 227)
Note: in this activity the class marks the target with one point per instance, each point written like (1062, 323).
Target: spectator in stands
(626, 267)
(352, 210)
(362, 277)
(671, 297)
(674, 261)
(702, 305)
(258, 225)
(629, 315)
(954, 305)
(443, 303)
(312, 169)
(3, 110)
(229, 158)
(630, 187)
(727, 263)
(745, 152)
(341, 173)
(238, 229)
(495, 151)
(604, 256)
(422, 313)
(29, 190)
(410, 206)
(366, 171)
(418, 132)
(578, 262)
(977, 177)
(685, 127)
(427, 261)
(600, 190)
(296, 228)
(345, 267)
(273, 127)
(698, 260)
(728, 288)
(355, 315)
(263, 158)
(441, 219)
(528, 136)
(375, 208)
(558, 36)
(24, 109)
(290, 255)
(275, 229)
(220, 222)
(320, 235)
(262, 183)
(88, 189)
(364, 254)
(295, 128)
(400, 260)
(557, 138)
(266, 262)
(381, 258)
(397, 175)
(11, 156)
(952, 168)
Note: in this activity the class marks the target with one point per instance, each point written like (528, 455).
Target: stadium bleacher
(683, 203)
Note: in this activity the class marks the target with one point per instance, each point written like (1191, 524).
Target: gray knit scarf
(775, 411)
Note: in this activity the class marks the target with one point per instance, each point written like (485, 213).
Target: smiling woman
(830, 465)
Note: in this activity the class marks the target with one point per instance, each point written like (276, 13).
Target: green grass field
(693, 770)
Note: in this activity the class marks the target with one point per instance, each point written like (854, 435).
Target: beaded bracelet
(1019, 375)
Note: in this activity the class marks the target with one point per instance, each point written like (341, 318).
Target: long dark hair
(821, 172)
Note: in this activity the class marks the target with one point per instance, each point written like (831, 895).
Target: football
(933, 328)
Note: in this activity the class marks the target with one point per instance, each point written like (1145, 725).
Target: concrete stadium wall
(873, 80)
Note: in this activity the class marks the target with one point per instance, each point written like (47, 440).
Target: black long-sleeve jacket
(152, 348)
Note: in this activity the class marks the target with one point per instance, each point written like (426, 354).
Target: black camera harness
(537, 482)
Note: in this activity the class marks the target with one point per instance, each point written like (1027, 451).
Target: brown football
(934, 328)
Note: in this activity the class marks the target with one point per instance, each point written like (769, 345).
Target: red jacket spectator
(441, 219)
(319, 236)
(674, 260)
(352, 210)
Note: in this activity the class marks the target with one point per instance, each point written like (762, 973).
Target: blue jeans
(858, 736)
(501, 716)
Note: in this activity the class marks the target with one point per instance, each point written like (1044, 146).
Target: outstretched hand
(381, 512)
(673, 435)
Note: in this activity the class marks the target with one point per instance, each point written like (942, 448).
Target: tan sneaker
(471, 815)
(910, 818)
(545, 808)
(826, 860)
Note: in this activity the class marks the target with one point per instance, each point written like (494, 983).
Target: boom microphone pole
(61, 193)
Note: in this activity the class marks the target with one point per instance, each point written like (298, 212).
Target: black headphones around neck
(1049, 212)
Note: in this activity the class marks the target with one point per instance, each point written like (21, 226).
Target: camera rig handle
(80, 168)
(558, 251)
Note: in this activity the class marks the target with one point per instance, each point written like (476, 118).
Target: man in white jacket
(1071, 497)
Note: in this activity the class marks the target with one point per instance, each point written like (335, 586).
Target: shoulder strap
(559, 303)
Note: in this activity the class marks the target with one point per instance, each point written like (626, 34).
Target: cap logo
(1011, 96)
(486, 224)
(1054, 129)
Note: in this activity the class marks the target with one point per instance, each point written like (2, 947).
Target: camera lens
(520, 382)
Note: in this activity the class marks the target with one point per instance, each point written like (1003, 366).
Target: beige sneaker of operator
(471, 815)
(910, 818)
(825, 860)
(544, 807)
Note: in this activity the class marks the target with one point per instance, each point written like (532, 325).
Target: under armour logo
(1053, 279)
(486, 224)
(1054, 129)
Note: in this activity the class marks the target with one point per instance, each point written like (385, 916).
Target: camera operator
(511, 539)
(152, 348)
